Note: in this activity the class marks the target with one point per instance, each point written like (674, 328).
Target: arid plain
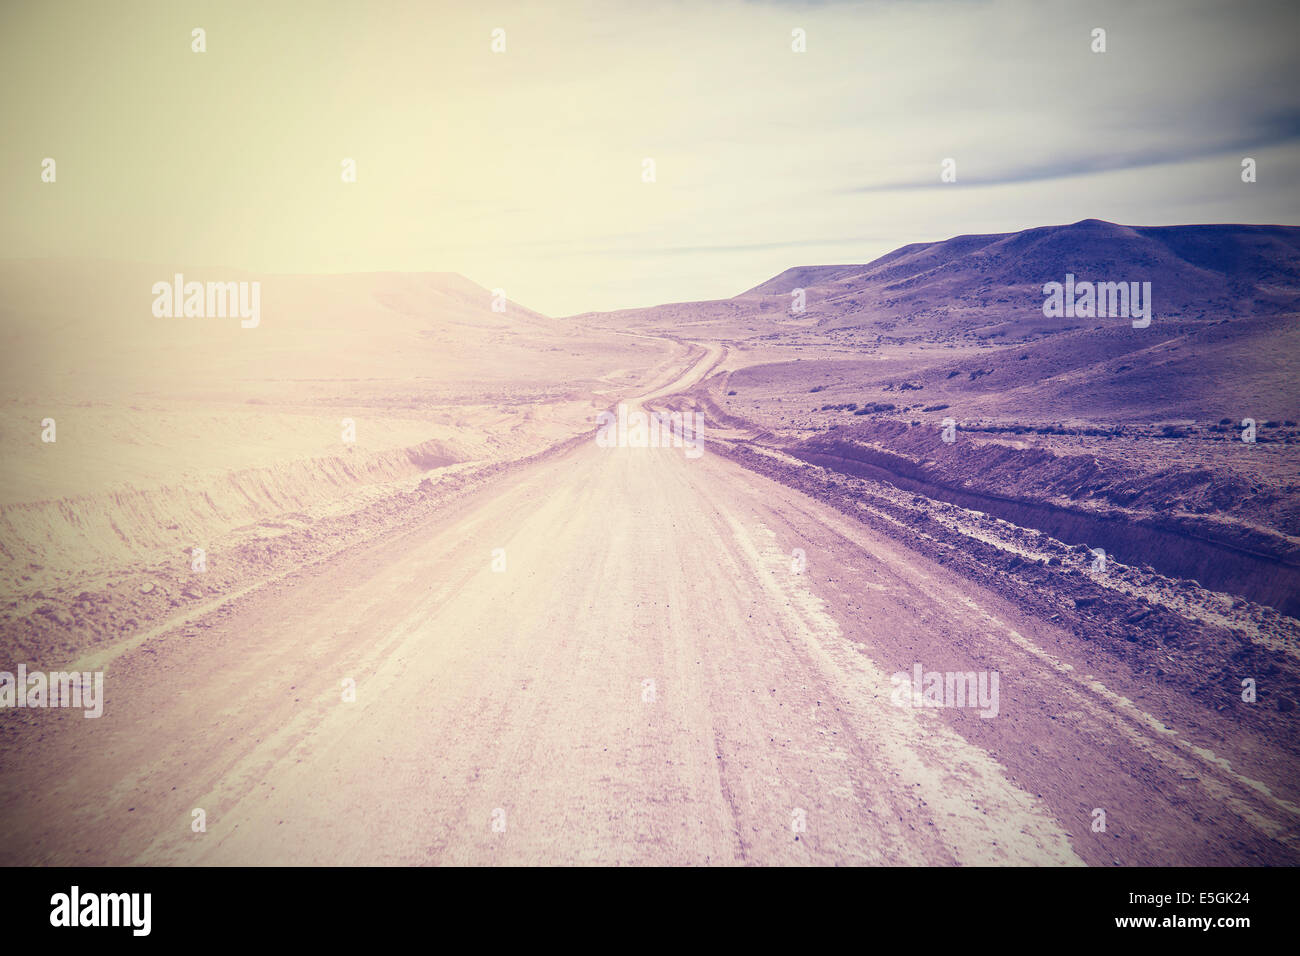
(561, 652)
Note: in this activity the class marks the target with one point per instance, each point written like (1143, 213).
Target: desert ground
(473, 634)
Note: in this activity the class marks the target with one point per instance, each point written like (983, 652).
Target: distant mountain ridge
(1255, 268)
(1220, 344)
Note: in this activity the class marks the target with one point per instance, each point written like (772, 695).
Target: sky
(524, 169)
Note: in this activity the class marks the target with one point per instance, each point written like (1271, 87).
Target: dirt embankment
(86, 613)
(128, 524)
(1169, 631)
(1210, 526)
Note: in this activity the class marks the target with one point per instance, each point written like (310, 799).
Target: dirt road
(646, 671)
